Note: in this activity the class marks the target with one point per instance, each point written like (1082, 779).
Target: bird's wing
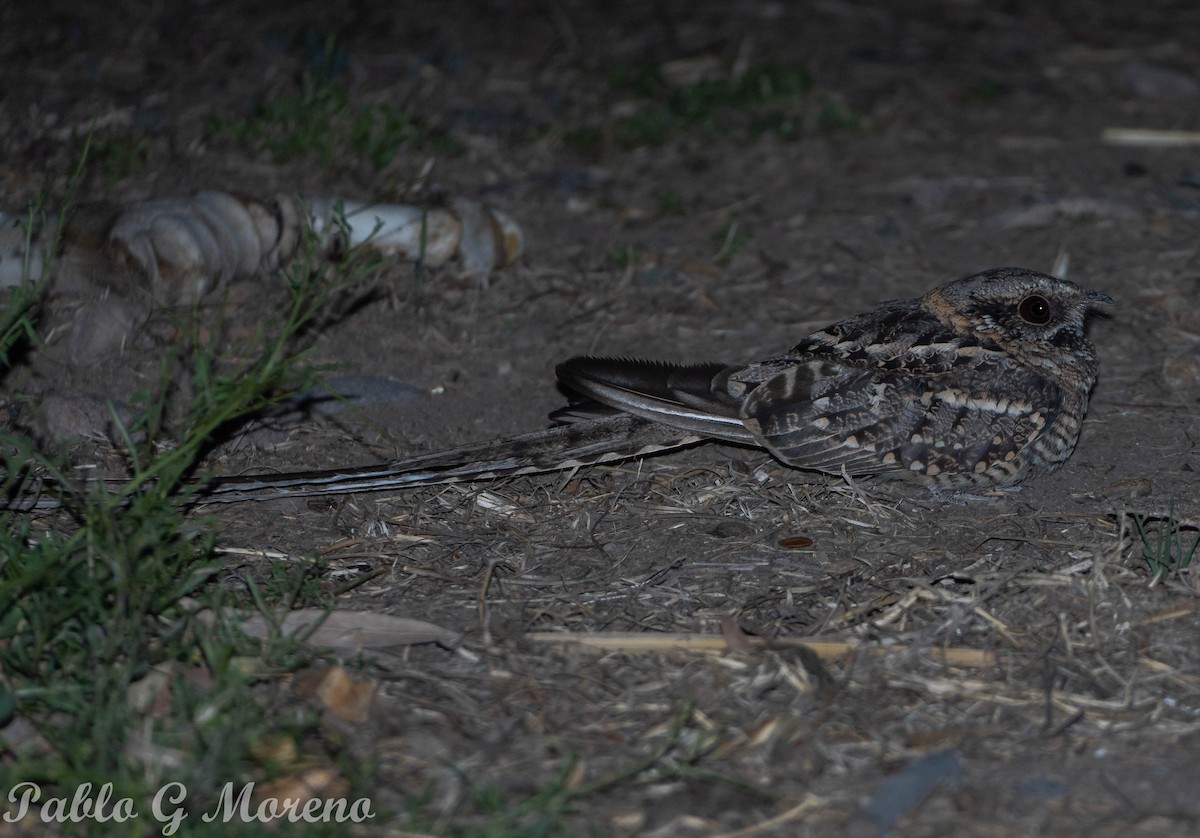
(825, 415)
(687, 397)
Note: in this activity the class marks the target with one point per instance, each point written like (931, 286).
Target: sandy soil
(1011, 663)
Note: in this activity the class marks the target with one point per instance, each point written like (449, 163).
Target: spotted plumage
(981, 382)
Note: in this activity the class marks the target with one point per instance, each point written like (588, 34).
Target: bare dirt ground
(1006, 660)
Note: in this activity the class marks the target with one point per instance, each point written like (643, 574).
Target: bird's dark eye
(1034, 309)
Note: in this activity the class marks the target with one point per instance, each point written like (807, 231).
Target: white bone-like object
(182, 247)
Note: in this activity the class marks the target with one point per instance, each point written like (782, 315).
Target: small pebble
(1155, 81)
(100, 329)
(70, 417)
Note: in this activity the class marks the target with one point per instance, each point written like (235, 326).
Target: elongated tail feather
(604, 440)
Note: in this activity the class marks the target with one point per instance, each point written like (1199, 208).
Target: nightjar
(982, 382)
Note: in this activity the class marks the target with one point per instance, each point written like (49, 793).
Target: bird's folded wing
(825, 416)
(676, 395)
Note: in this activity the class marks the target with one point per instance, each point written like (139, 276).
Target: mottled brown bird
(982, 382)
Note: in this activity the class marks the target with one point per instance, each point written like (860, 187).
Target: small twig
(641, 642)
(1149, 137)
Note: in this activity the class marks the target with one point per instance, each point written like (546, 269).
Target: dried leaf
(347, 632)
(338, 691)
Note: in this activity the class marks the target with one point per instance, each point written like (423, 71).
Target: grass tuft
(320, 122)
(766, 99)
(98, 604)
(1165, 548)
